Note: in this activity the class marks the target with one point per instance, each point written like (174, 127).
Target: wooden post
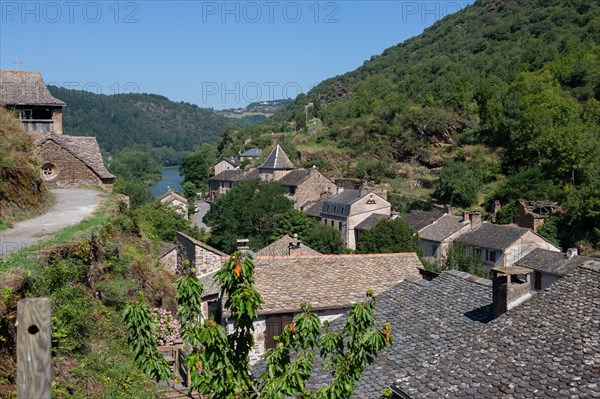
(34, 333)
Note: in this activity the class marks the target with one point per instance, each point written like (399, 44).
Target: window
(334, 209)
(340, 226)
(478, 252)
(434, 249)
(274, 328)
(26, 114)
(49, 171)
(538, 280)
(491, 256)
(292, 190)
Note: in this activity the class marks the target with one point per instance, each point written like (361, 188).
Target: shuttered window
(275, 325)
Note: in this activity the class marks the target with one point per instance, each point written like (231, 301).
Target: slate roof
(232, 161)
(370, 222)
(551, 262)
(417, 219)
(548, 347)
(442, 228)
(314, 209)
(328, 281)
(210, 286)
(294, 178)
(25, 88)
(494, 236)
(83, 148)
(281, 248)
(171, 196)
(252, 153)
(165, 249)
(277, 160)
(428, 318)
(228, 175)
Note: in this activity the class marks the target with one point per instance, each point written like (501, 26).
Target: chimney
(448, 209)
(571, 252)
(243, 244)
(361, 190)
(465, 216)
(294, 247)
(510, 287)
(475, 218)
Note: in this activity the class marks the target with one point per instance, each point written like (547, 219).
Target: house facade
(503, 245)
(66, 161)
(201, 256)
(344, 211)
(178, 202)
(226, 164)
(435, 238)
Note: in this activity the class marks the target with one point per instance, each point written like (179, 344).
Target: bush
(389, 237)
(166, 327)
(458, 184)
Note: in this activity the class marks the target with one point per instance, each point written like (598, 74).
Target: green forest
(502, 97)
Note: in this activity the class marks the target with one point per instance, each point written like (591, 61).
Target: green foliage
(141, 340)
(190, 192)
(458, 184)
(389, 237)
(138, 193)
(246, 211)
(506, 214)
(457, 258)
(136, 165)
(196, 167)
(321, 238)
(528, 184)
(162, 222)
(550, 230)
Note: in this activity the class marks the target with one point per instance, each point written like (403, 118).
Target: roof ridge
(340, 255)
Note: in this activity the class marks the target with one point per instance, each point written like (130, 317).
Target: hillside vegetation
(505, 95)
(142, 121)
(21, 188)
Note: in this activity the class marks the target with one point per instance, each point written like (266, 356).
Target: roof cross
(17, 63)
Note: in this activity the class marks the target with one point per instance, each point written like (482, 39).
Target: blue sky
(211, 53)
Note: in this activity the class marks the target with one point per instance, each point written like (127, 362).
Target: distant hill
(141, 121)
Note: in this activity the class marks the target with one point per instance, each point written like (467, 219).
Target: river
(171, 179)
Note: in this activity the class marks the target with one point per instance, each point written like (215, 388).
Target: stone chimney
(243, 244)
(294, 247)
(475, 218)
(510, 287)
(465, 216)
(448, 209)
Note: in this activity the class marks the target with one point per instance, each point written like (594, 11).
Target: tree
(162, 222)
(195, 168)
(248, 210)
(389, 237)
(219, 363)
(136, 165)
(190, 192)
(138, 193)
(457, 184)
(321, 238)
(457, 258)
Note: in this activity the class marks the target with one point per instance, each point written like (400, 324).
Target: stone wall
(311, 188)
(169, 261)
(201, 256)
(69, 171)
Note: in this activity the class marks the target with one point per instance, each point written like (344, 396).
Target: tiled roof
(427, 318)
(228, 175)
(370, 222)
(165, 249)
(25, 88)
(252, 152)
(83, 148)
(328, 281)
(442, 228)
(281, 248)
(232, 161)
(277, 160)
(210, 285)
(171, 196)
(417, 219)
(494, 236)
(314, 209)
(548, 347)
(294, 177)
(552, 262)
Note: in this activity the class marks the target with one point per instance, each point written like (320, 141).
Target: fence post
(34, 332)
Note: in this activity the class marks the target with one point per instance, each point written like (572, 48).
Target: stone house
(287, 246)
(176, 201)
(202, 257)
(226, 164)
(545, 346)
(167, 256)
(250, 155)
(533, 214)
(66, 161)
(435, 238)
(330, 283)
(302, 185)
(418, 219)
(345, 210)
(502, 245)
(550, 266)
